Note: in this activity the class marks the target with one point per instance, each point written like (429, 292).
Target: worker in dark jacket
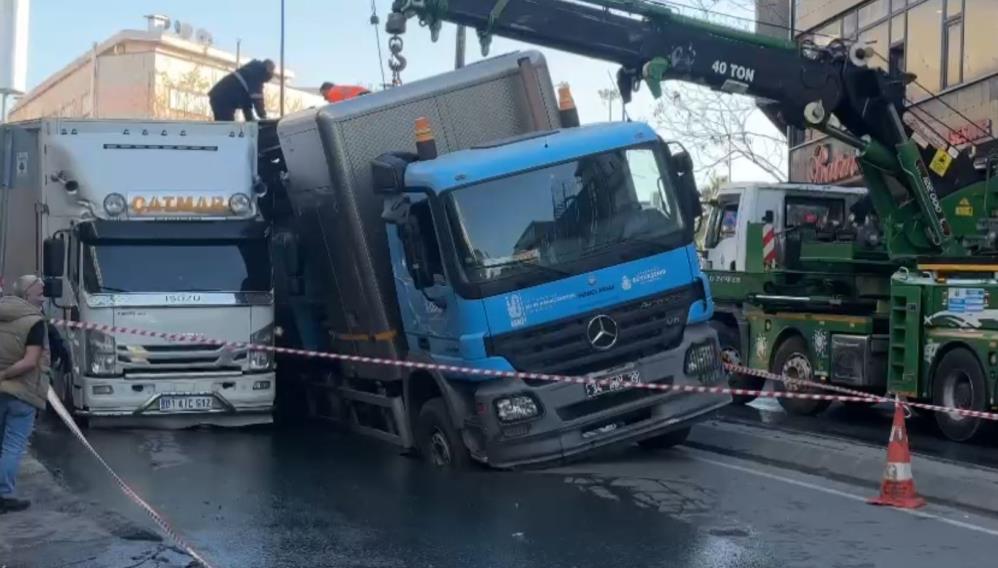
(242, 89)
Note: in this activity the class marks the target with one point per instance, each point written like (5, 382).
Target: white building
(160, 73)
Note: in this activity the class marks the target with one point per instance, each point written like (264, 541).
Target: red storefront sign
(827, 166)
(970, 132)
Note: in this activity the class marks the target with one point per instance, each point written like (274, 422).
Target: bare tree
(719, 129)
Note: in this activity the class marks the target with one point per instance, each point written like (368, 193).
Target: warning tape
(125, 488)
(855, 393)
(848, 395)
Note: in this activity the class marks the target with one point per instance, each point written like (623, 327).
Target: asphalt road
(274, 498)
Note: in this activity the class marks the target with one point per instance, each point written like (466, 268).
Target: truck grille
(152, 359)
(646, 326)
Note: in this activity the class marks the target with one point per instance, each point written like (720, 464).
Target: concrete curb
(940, 481)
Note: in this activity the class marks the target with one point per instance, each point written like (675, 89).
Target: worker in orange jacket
(336, 93)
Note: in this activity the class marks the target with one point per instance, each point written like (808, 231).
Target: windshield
(177, 267)
(548, 219)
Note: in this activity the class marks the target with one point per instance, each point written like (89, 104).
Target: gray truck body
(328, 152)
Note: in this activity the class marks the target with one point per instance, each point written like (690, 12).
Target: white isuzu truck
(153, 226)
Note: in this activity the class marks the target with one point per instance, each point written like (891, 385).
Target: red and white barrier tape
(849, 396)
(125, 488)
(855, 393)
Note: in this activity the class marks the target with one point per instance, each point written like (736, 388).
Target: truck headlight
(519, 407)
(101, 356)
(240, 203)
(703, 361)
(261, 359)
(115, 204)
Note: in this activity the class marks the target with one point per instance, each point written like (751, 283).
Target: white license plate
(616, 381)
(182, 403)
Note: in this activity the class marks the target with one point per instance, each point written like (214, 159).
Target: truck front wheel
(731, 352)
(793, 360)
(436, 438)
(959, 383)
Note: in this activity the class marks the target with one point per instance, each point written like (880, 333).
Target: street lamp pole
(282, 58)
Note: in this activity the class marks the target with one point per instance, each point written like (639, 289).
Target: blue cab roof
(496, 160)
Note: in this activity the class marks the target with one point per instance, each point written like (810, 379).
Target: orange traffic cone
(898, 487)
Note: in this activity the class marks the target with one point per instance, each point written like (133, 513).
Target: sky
(325, 40)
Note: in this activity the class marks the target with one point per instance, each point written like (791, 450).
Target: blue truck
(504, 240)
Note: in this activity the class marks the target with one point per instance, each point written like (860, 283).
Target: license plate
(617, 381)
(182, 403)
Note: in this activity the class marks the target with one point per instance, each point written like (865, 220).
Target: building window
(954, 52)
(898, 25)
(980, 39)
(849, 25)
(872, 13)
(898, 6)
(924, 53)
(953, 8)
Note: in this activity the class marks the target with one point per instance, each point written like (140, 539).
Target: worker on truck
(242, 89)
(335, 93)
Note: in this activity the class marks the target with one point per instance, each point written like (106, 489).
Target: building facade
(145, 74)
(950, 45)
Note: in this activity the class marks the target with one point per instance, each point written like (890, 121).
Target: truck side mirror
(53, 287)
(53, 257)
(388, 172)
(689, 197)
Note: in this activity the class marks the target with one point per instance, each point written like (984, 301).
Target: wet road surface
(271, 497)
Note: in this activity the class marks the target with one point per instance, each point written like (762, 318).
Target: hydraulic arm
(829, 88)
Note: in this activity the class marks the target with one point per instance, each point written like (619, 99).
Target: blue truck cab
(566, 252)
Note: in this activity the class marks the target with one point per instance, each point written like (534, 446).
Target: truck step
(379, 416)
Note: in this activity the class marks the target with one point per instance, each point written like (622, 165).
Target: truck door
(721, 241)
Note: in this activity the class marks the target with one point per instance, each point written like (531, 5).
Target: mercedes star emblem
(602, 332)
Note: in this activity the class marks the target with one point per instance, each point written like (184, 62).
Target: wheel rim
(440, 453)
(731, 356)
(958, 392)
(797, 366)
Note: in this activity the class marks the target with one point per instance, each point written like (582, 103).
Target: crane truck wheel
(959, 383)
(731, 352)
(437, 440)
(793, 360)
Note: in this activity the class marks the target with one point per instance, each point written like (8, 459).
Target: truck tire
(731, 352)
(438, 441)
(664, 441)
(959, 383)
(793, 359)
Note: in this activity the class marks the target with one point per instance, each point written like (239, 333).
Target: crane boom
(830, 89)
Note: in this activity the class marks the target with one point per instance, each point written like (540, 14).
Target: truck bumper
(571, 423)
(237, 400)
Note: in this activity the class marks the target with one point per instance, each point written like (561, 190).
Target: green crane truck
(905, 292)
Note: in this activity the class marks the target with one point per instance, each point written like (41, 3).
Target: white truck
(725, 248)
(153, 226)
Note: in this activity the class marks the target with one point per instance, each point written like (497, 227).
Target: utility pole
(462, 40)
(239, 44)
(282, 57)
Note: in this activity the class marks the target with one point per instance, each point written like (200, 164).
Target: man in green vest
(23, 379)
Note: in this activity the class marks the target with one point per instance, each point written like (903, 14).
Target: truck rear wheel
(793, 360)
(731, 352)
(436, 438)
(959, 383)
(664, 441)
